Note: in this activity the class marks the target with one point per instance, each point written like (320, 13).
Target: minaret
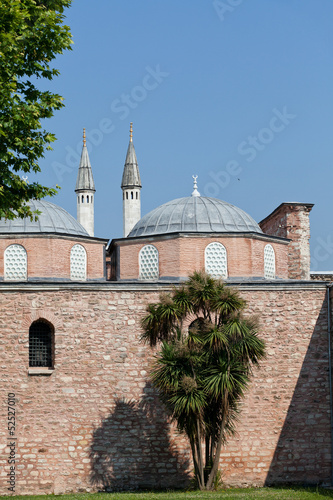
(131, 186)
(85, 189)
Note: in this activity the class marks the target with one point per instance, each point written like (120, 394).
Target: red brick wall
(292, 221)
(50, 257)
(180, 256)
(96, 420)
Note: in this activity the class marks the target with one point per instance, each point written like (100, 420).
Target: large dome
(195, 214)
(53, 219)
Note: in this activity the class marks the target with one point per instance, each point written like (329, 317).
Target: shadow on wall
(303, 451)
(132, 449)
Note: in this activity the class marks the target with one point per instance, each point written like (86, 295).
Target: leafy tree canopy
(205, 364)
(32, 34)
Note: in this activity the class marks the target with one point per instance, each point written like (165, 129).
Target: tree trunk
(216, 460)
(200, 457)
(208, 461)
(195, 461)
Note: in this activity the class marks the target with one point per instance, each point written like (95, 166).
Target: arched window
(148, 263)
(78, 263)
(41, 344)
(216, 260)
(78, 199)
(131, 195)
(126, 195)
(199, 325)
(137, 195)
(16, 263)
(87, 198)
(269, 262)
(82, 199)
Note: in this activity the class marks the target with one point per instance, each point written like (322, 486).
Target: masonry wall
(49, 257)
(291, 220)
(96, 423)
(182, 255)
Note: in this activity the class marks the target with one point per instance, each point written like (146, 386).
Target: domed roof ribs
(185, 215)
(205, 202)
(210, 215)
(52, 219)
(85, 180)
(131, 174)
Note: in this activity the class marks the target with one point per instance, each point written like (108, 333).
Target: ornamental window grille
(78, 263)
(216, 260)
(148, 263)
(269, 262)
(16, 263)
(41, 344)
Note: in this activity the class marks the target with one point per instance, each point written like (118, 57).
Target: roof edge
(286, 203)
(186, 234)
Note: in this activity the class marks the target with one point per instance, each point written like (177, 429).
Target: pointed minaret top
(131, 174)
(195, 186)
(85, 180)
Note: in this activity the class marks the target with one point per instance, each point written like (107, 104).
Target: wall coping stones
(156, 286)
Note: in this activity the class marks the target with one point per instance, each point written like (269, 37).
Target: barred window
(148, 263)
(78, 263)
(216, 260)
(269, 262)
(41, 344)
(16, 263)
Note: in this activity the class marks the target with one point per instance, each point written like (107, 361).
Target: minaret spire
(131, 187)
(85, 189)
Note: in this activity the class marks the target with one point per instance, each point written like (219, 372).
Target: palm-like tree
(202, 373)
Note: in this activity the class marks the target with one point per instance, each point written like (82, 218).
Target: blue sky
(238, 92)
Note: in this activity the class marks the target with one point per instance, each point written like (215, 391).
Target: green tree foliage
(32, 34)
(203, 371)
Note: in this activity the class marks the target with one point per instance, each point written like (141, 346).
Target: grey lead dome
(53, 219)
(195, 214)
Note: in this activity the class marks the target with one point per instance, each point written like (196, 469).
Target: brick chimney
(291, 220)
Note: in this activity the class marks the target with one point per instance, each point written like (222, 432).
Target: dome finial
(195, 186)
(84, 137)
(131, 132)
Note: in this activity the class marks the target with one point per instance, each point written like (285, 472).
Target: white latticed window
(78, 263)
(15, 263)
(216, 260)
(269, 262)
(148, 261)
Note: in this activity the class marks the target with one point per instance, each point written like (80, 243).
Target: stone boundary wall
(322, 276)
(96, 423)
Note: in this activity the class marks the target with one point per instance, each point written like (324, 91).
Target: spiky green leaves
(203, 370)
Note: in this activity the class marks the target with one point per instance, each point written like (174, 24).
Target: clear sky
(239, 92)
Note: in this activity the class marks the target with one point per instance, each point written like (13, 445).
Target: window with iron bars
(41, 344)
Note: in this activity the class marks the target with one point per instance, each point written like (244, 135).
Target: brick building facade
(76, 373)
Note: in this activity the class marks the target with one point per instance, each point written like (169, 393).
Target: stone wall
(291, 220)
(96, 422)
(322, 276)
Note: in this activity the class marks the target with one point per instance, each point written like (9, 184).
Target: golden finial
(84, 137)
(131, 132)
